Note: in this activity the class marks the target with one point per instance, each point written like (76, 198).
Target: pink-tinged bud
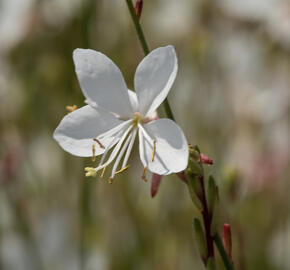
(205, 159)
(138, 8)
(227, 240)
(156, 180)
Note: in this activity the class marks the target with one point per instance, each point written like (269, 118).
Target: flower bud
(138, 8)
(216, 213)
(194, 167)
(156, 180)
(200, 239)
(227, 240)
(194, 182)
(211, 195)
(205, 159)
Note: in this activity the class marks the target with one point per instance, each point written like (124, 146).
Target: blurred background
(231, 97)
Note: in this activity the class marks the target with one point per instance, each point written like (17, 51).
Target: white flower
(115, 115)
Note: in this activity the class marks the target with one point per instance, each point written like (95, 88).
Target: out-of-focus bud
(200, 239)
(205, 159)
(227, 240)
(211, 265)
(211, 195)
(138, 8)
(9, 163)
(156, 180)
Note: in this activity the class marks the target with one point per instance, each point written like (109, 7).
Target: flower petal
(133, 100)
(171, 148)
(154, 77)
(76, 131)
(102, 81)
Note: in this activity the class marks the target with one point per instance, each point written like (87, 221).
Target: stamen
(144, 174)
(129, 149)
(103, 172)
(94, 153)
(90, 172)
(115, 130)
(71, 108)
(115, 151)
(109, 147)
(120, 155)
(145, 133)
(110, 180)
(154, 150)
(123, 169)
(99, 143)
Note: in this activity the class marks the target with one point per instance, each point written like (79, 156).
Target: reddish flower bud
(156, 180)
(138, 8)
(227, 240)
(205, 159)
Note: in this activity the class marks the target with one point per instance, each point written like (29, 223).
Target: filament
(129, 149)
(120, 155)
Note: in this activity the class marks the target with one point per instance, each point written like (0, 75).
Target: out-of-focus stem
(221, 249)
(25, 230)
(145, 48)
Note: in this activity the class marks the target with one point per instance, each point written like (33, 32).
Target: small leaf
(200, 238)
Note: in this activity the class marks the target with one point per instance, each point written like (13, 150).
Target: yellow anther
(71, 108)
(99, 143)
(94, 153)
(110, 180)
(144, 174)
(154, 150)
(103, 172)
(90, 172)
(123, 169)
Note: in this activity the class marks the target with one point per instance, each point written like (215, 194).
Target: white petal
(102, 81)
(76, 131)
(133, 100)
(154, 78)
(171, 152)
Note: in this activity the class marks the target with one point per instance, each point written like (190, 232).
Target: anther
(154, 150)
(71, 108)
(103, 172)
(123, 169)
(94, 153)
(110, 180)
(99, 143)
(90, 172)
(144, 174)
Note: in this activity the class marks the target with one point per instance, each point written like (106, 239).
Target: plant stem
(169, 113)
(138, 27)
(207, 221)
(221, 249)
(146, 51)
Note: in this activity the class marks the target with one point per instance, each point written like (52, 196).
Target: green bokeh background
(231, 97)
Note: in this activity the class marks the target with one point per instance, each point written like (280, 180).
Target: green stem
(138, 27)
(224, 256)
(146, 51)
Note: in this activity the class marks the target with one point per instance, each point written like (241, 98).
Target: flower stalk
(146, 50)
(206, 202)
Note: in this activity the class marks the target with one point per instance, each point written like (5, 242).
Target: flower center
(137, 119)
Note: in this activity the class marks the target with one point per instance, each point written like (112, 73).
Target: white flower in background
(114, 115)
